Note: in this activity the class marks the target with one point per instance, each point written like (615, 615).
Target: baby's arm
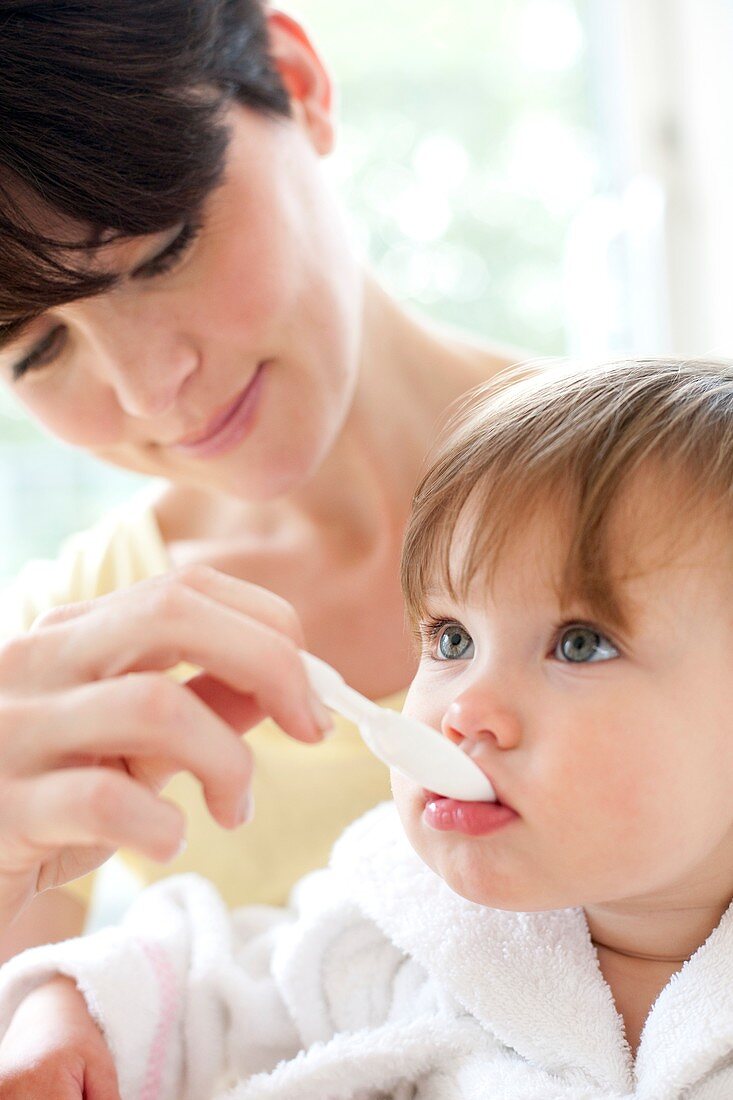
(177, 990)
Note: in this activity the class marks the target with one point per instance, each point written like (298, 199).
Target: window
(467, 144)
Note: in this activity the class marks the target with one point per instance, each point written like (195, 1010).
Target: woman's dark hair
(112, 126)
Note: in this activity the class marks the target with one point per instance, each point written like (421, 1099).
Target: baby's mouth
(431, 796)
(448, 816)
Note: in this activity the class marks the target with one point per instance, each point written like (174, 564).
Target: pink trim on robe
(165, 974)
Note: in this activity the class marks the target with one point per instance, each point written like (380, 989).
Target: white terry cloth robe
(380, 983)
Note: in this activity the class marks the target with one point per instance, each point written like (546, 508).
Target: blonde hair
(570, 436)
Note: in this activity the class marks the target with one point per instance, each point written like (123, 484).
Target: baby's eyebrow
(435, 601)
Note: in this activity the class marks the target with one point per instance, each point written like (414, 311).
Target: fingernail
(321, 715)
(247, 808)
(178, 852)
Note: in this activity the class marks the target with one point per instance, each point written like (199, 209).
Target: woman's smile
(229, 425)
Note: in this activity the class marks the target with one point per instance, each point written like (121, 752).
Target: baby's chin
(455, 858)
(472, 867)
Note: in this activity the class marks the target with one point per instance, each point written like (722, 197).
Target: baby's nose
(476, 715)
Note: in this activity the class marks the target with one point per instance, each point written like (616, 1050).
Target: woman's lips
(227, 427)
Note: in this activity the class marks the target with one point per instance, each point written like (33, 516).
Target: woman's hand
(91, 726)
(53, 1048)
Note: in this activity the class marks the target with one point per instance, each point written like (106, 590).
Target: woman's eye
(42, 354)
(583, 645)
(173, 254)
(454, 643)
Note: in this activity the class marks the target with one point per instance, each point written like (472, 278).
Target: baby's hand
(53, 1048)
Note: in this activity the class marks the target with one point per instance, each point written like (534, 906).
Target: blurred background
(556, 174)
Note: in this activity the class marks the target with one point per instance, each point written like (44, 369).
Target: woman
(178, 297)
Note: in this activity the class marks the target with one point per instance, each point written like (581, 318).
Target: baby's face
(614, 752)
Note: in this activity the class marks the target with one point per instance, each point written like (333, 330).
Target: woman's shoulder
(468, 357)
(121, 548)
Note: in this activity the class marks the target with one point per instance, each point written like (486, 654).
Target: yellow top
(305, 795)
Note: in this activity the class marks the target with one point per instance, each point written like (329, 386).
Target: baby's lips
(432, 796)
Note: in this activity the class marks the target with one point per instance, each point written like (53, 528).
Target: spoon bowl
(406, 744)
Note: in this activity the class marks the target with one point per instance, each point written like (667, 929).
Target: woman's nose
(478, 715)
(147, 369)
(140, 349)
(151, 386)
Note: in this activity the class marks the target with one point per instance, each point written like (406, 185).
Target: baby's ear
(305, 78)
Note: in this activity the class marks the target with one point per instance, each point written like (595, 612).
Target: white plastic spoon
(413, 748)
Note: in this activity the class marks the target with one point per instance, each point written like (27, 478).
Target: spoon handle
(330, 686)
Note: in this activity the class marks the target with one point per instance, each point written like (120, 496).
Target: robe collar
(533, 980)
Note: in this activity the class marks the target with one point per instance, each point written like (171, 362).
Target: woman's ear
(305, 79)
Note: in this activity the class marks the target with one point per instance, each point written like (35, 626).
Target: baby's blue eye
(583, 645)
(455, 643)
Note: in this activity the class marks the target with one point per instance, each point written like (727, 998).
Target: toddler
(568, 570)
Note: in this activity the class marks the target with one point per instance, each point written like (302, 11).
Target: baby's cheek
(415, 705)
(406, 795)
(409, 802)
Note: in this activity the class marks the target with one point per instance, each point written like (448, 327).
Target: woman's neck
(410, 373)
